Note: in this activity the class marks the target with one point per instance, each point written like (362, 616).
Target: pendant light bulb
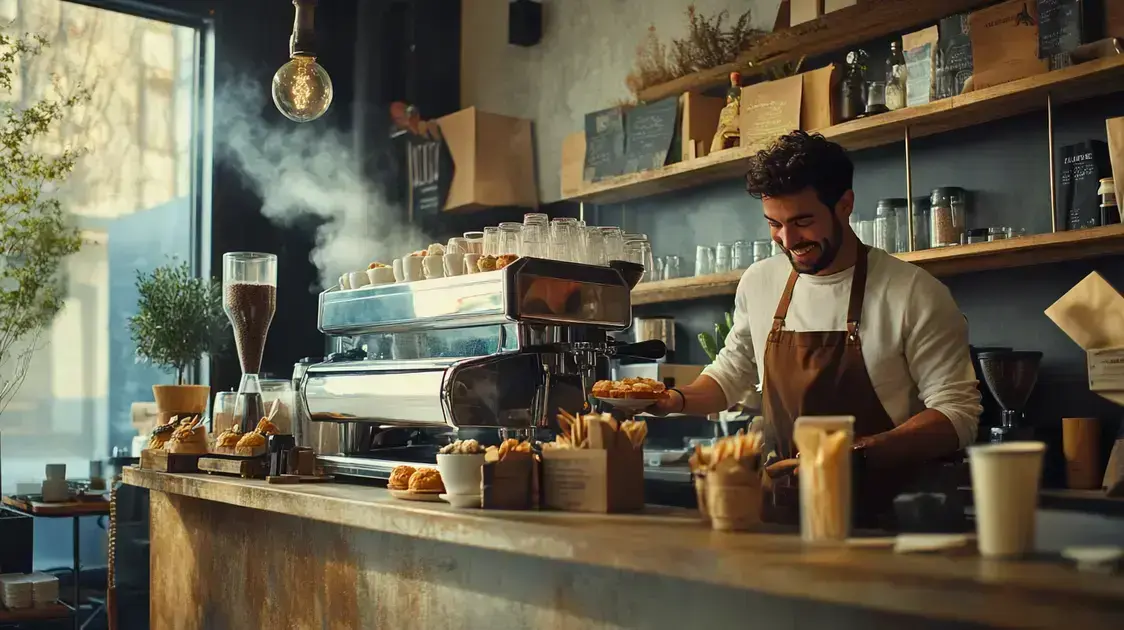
(302, 89)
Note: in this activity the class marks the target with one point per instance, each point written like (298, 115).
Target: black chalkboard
(1059, 26)
(649, 133)
(604, 144)
(956, 50)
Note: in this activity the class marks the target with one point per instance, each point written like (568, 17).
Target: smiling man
(836, 328)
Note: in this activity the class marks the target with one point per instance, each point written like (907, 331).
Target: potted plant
(179, 319)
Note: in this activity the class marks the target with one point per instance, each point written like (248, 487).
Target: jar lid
(947, 191)
(921, 204)
(893, 202)
(1107, 186)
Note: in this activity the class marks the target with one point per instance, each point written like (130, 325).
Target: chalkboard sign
(649, 132)
(430, 168)
(604, 144)
(956, 50)
(1059, 27)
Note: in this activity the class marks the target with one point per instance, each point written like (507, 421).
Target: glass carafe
(249, 288)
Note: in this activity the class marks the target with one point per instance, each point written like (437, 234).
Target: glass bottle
(886, 227)
(895, 77)
(852, 103)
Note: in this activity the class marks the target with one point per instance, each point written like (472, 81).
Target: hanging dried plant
(710, 42)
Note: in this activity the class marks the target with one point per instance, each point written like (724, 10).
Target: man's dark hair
(799, 160)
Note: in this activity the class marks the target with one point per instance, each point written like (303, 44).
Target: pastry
(632, 387)
(190, 438)
(265, 427)
(462, 447)
(505, 259)
(400, 477)
(161, 434)
(487, 262)
(436, 249)
(227, 440)
(426, 480)
(250, 445)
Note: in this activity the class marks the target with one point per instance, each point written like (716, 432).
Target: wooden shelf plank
(943, 261)
(835, 31)
(22, 615)
(1093, 78)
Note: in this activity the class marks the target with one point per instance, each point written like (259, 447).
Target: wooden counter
(413, 564)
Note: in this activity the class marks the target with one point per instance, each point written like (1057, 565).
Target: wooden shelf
(1093, 78)
(22, 615)
(943, 261)
(835, 31)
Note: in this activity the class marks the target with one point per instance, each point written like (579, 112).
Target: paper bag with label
(1005, 43)
(817, 107)
(511, 483)
(1115, 128)
(594, 480)
(770, 110)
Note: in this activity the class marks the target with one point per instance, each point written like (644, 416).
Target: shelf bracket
(909, 189)
(1050, 143)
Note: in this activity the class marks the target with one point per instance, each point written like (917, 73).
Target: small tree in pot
(179, 319)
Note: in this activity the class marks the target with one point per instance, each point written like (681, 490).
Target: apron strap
(854, 305)
(785, 302)
(858, 290)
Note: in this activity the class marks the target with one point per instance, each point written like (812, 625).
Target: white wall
(587, 50)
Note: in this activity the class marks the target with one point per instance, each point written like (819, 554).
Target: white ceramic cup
(1005, 492)
(358, 279)
(434, 266)
(380, 275)
(396, 266)
(461, 473)
(454, 264)
(470, 261)
(344, 284)
(412, 268)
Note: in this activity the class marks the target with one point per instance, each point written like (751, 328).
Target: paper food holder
(511, 483)
(1092, 314)
(594, 480)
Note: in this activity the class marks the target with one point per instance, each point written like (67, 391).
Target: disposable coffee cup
(396, 269)
(412, 269)
(454, 264)
(1005, 492)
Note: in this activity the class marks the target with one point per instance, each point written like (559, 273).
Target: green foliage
(36, 234)
(712, 345)
(179, 318)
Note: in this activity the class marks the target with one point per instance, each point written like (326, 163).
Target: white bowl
(460, 472)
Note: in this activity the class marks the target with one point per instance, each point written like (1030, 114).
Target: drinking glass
(535, 236)
(475, 242)
(723, 258)
(613, 239)
(249, 288)
(511, 238)
(672, 267)
(564, 239)
(593, 246)
(222, 413)
(742, 256)
(491, 246)
(704, 260)
(457, 245)
(640, 252)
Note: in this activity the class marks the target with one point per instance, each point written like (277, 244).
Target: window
(134, 200)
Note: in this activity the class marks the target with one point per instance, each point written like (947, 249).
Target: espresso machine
(485, 355)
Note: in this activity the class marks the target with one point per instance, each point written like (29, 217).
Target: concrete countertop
(672, 542)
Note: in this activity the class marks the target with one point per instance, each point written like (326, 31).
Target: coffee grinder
(1011, 376)
(249, 289)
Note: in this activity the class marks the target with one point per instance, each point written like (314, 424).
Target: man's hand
(672, 403)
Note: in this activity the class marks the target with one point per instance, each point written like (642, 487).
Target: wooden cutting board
(1091, 313)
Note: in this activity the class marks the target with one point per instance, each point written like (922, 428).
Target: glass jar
(743, 255)
(946, 216)
(761, 250)
(998, 233)
(852, 102)
(886, 226)
(704, 260)
(672, 267)
(921, 224)
(876, 98)
(723, 258)
(866, 232)
(895, 77)
(774, 247)
(901, 216)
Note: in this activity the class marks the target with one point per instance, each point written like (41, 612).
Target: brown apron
(821, 373)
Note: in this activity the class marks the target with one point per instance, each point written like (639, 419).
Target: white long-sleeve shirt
(914, 338)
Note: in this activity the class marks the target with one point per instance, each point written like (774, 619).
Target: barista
(836, 328)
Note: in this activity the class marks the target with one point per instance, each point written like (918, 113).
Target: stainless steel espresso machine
(482, 354)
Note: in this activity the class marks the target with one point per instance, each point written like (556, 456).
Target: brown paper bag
(573, 164)
(594, 480)
(817, 104)
(770, 110)
(1005, 43)
(509, 484)
(699, 123)
(1115, 128)
(734, 495)
(494, 158)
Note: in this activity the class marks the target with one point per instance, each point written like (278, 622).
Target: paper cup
(396, 267)
(380, 275)
(358, 279)
(700, 496)
(412, 269)
(454, 264)
(461, 472)
(470, 261)
(1005, 491)
(733, 502)
(344, 284)
(434, 266)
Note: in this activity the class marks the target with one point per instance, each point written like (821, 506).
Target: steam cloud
(300, 170)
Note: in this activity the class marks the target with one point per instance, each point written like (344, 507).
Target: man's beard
(829, 249)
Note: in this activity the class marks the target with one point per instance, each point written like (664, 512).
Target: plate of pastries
(630, 394)
(415, 484)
